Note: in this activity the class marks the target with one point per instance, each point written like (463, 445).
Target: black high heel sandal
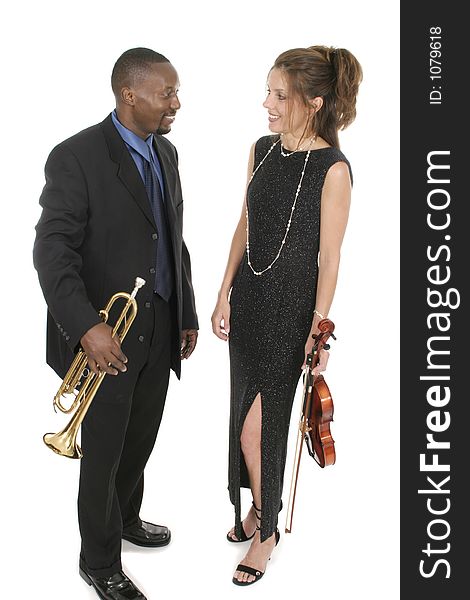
(250, 570)
(244, 537)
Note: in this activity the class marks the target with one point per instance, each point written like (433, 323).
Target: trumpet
(83, 384)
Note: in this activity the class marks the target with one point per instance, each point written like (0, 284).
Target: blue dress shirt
(140, 149)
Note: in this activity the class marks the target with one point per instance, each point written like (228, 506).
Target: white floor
(344, 542)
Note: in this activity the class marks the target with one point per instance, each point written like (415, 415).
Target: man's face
(155, 100)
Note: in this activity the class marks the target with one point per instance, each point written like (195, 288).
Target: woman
(281, 275)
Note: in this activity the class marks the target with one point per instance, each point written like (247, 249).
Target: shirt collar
(143, 147)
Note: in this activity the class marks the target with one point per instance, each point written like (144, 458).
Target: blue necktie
(164, 271)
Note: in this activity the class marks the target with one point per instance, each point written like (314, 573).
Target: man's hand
(188, 342)
(103, 351)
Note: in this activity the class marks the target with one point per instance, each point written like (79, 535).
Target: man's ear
(127, 96)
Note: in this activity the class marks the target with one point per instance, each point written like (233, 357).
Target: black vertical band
(435, 258)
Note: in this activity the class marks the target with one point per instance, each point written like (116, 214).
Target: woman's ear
(315, 104)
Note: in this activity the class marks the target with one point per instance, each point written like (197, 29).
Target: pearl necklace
(299, 149)
(291, 211)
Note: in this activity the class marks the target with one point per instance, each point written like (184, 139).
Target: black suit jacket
(96, 234)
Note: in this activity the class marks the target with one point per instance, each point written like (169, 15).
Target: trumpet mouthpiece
(139, 282)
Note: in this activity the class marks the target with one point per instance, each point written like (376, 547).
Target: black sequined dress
(271, 314)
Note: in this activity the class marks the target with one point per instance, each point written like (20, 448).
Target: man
(112, 210)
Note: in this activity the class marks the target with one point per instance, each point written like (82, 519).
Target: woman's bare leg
(250, 440)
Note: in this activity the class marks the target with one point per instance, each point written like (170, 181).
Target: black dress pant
(117, 437)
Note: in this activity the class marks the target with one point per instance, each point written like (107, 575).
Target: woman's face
(286, 113)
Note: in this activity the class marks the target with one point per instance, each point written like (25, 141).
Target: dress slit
(268, 518)
(242, 477)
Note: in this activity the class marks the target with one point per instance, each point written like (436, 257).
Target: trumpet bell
(64, 443)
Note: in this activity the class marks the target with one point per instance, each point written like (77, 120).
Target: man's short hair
(132, 66)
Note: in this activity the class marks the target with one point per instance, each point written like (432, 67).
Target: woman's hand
(221, 318)
(324, 356)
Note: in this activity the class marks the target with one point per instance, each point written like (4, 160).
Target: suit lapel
(127, 170)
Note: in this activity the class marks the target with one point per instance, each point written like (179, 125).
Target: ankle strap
(258, 516)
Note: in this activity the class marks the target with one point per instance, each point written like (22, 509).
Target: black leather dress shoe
(116, 587)
(147, 535)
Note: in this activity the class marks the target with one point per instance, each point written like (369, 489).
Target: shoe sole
(84, 576)
(88, 580)
(147, 545)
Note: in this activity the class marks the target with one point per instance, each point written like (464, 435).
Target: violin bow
(303, 429)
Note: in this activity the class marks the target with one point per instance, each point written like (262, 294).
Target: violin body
(320, 442)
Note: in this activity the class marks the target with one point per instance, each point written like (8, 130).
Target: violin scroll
(326, 328)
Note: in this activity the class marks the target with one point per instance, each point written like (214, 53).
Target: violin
(320, 442)
(315, 416)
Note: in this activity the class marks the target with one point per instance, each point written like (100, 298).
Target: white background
(56, 63)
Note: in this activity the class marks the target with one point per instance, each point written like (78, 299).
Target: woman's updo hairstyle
(332, 73)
